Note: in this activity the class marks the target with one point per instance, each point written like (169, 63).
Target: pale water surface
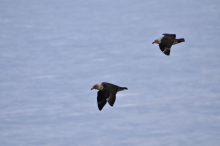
(53, 52)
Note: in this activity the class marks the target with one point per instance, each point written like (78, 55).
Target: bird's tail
(122, 88)
(177, 41)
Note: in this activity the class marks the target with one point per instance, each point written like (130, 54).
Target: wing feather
(170, 35)
(111, 99)
(101, 100)
(166, 44)
(165, 50)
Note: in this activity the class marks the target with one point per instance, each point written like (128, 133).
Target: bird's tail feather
(122, 88)
(177, 41)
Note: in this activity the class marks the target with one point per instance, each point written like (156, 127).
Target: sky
(53, 52)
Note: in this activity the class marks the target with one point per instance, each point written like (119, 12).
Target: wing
(170, 35)
(164, 49)
(111, 99)
(110, 91)
(101, 100)
(166, 44)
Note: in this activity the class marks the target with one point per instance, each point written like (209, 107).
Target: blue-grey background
(54, 51)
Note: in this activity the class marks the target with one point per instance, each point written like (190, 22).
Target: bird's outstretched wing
(101, 100)
(111, 99)
(110, 91)
(166, 44)
(170, 35)
(164, 49)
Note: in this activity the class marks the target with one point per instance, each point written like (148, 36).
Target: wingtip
(166, 54)
(99, 108)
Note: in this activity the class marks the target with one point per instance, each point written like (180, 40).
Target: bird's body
(107, 93)
(166, 42)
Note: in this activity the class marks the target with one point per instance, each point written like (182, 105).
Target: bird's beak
(92, 88)
(153, 42)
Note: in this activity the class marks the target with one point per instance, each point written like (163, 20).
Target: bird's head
(157, 41)
(98, 86)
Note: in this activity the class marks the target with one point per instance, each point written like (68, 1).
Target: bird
(107, 93)
(166, 42)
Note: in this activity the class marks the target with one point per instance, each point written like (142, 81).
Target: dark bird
(107, 93)
(166, 42)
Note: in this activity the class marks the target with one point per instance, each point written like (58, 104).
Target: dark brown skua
(107, 93)
(166, 42)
